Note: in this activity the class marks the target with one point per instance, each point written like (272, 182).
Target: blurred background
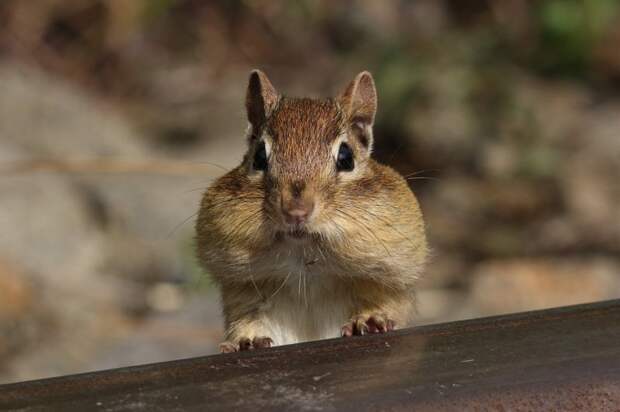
(115, 115)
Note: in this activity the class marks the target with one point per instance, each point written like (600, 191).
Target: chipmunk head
(305, 152)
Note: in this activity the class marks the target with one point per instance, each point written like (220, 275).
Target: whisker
(281, 286)
(195, 189)
(236, 198)
(248, 220)
(421, 171)
(260, 295)
(178, 226)
(213, 164)
(320, 250)
(208, 182)
(305, 291)
(224, 201)
(423, 178)
(368, 229)
(268, 216)
(384, 221)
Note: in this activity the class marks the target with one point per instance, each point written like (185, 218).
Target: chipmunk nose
(297, 212)
(297, 203)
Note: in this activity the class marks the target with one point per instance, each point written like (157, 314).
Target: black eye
(260, 157)
(344, 162)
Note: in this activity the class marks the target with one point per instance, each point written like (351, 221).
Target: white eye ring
(267, 140)
(336, 145)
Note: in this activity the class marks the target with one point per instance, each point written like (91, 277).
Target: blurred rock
(47, 116)
(440, 305)
(557, 234)
(16, 294)
(515, 285)
(94, 242)
(20, 310)
(445, 270)
(195, 329)
(591, 178)
(49, 231)
(453, 209)
(165, 297)
(47, 227)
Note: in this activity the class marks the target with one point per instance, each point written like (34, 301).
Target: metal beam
(558, 359)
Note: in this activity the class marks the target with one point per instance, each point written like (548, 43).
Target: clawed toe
(379, 324)
(244, 344)
(228, 347)
(260, 342)
(363, 325)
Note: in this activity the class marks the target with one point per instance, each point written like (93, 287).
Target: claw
(379, 324)
(362, 325)
(260, 342)
(244, 344)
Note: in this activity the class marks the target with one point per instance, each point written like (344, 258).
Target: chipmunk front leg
(378, 309)
(245, 335)
(245, 327)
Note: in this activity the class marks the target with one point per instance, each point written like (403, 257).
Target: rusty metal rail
(559, 359)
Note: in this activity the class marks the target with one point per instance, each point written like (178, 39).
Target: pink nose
(298, 214)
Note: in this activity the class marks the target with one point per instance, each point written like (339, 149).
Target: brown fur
(365, 244)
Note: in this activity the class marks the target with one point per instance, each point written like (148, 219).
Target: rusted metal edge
(565, 358)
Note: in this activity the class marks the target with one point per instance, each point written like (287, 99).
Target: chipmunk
(310, 238)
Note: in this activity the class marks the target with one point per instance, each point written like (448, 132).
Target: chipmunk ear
(359, 100)
(260, 100)
(359, 104)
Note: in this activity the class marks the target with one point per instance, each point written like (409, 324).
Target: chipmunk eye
(344, 161)
(260, 157)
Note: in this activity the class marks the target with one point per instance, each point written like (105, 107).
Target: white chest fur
(311, 303)
(304, 309)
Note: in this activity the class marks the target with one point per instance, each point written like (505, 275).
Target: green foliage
(154, 9)
(397, 76)
(569, 30)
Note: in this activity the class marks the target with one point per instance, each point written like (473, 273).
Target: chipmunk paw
(365, 324)
(244, 344)
(228, 347)
(261, 342)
